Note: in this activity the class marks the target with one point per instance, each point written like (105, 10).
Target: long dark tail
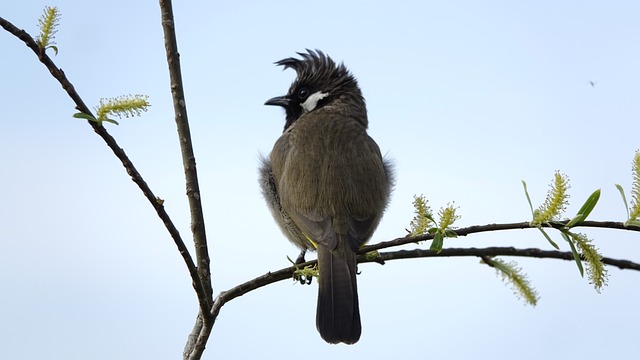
(338, 314)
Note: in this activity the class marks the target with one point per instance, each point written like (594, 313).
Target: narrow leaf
(624, 198)
(84, 116)
(585, 210)
(549, 239)
(524, 184)
(111, 121)
(576, 255)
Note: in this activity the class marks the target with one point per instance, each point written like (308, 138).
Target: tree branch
(202, 329)
(495, 227)
(59, 75)
(188, 157)
(287, 273)
(498, 251)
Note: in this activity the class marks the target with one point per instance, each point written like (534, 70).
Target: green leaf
(84, 116)
(624, 198)
(291, 261)
(111, 121)
(574, 221)
(585, 210)
(430, 218)
(450, 233)
(54, 48)
(576, 255)
(549, 238)
(524, 184)
(438, 242)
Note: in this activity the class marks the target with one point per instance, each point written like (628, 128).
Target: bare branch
(499, 251)
(188, 157)
(202, 328)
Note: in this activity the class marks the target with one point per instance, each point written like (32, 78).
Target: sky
(468, 98)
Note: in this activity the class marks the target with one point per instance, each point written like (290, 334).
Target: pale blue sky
(468, 98)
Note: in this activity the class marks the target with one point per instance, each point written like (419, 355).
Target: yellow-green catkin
(634, 213)
(596, 270)
(122, 106)
(48, 23)
(447, 216)
(423, 218)
(512, 274)
(555, 203)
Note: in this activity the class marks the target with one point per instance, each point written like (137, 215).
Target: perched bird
(326, 183)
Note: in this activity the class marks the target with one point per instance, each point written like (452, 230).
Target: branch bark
(496, 227)
(199, 336)
(188, 157)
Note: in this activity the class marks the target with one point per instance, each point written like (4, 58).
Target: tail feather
(338, 314)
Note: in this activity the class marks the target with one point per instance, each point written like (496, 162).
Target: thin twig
(188, 157)
(204, 323)
(495, 227)
(120, 154)
(499, 251)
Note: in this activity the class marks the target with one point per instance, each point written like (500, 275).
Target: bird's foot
(304, 276)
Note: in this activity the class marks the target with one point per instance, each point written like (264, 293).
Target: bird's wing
(361, 230)
(327, 230)
(317, 229)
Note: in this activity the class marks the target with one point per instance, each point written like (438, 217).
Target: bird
(326, 183)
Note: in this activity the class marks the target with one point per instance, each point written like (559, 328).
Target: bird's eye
(303, 93)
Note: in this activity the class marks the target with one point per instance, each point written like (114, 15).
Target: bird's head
(321, 83)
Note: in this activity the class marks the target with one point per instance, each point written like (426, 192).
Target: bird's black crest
(317, 72)
(314, 62)
(315, 67)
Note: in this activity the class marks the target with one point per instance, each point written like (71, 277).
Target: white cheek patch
(312, 101)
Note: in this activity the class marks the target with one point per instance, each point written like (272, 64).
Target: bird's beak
(278, 100)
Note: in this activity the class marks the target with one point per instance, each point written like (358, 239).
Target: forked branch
(59, 75)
